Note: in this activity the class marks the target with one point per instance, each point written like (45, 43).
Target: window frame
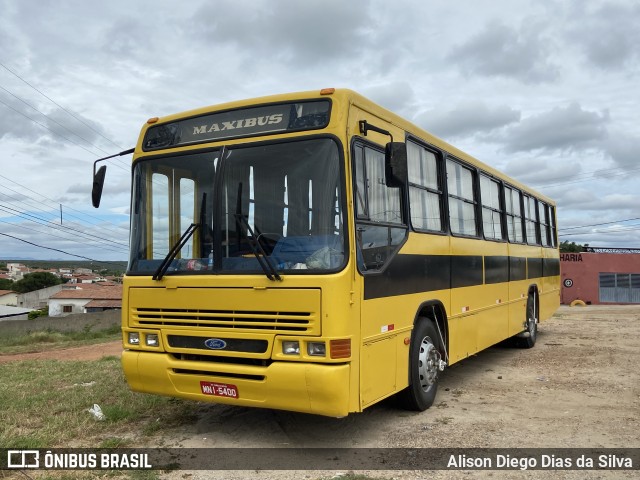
(474, 192)
(545, 227)
(359, 143)
(501, 210)
(440, 191)
(554, 228)
(531, 202)
(358, 219)
(511, 215)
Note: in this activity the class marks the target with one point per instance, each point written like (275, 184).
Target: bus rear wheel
(527, 339)
(424, 367)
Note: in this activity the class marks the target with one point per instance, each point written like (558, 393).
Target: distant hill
(114, 267)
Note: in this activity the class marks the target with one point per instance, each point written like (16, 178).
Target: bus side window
(545, 232)
(462, 208)
(530, 220)
(491, 211)
(379, 229)
(554, 231)
(425, 191)
(514, 214)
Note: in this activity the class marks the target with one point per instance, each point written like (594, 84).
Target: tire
(424, 362)
(531, 325)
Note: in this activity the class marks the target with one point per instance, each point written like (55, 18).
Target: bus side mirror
(395, 164)
(98, 184)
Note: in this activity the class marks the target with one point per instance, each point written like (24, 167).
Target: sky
(547, 92)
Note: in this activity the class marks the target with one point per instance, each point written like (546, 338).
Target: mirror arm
(98, 177)
(125, 152)
(365, 127)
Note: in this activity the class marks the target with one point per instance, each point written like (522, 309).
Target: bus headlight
(291, 347)
(152, 339)
(316, 349)
(134, 338)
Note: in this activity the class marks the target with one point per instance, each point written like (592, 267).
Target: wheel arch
(435, 311)
(533, 290)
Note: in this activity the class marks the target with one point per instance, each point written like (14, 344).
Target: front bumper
(321, 389)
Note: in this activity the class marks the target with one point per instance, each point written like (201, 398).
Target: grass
(46, 402)
(43, 340)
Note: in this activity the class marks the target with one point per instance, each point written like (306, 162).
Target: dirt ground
(578, 387)
(87, 352)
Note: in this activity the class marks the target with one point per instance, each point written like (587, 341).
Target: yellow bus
(314, 252)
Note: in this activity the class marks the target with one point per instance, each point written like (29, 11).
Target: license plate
(219, 389)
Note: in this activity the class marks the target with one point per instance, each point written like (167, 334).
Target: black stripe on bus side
(517, 268)
(496, 269)
(466, 270)
(534, 267)
(550, 267)
(408, 274)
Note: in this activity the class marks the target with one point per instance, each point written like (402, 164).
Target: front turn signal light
(340, 348)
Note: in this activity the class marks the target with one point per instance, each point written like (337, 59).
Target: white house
(86, 297)
(7, 297)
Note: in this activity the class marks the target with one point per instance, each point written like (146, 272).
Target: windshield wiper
(264, 261)
(162, 269)
(243, 225)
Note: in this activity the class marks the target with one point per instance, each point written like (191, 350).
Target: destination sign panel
(239, 123)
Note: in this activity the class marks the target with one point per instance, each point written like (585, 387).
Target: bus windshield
(279, 203)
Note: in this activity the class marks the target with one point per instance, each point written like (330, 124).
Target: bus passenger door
(380, 232)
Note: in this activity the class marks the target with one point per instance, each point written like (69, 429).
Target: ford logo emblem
(215, 343)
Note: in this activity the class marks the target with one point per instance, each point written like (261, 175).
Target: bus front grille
(276, 322)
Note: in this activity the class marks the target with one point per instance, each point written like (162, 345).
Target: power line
(569, 182)
(630, 228)
(52, 119)
(60, 106)
(44, 126)
(123, 165)
(55, 226)
(600, 224)
(57, 203)
(55, 249)
(53, 214)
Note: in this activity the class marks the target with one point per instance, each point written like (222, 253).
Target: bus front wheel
(424, 367)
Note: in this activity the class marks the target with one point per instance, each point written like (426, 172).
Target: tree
(6, 284)
(43, 312)
(36, 281)
(573, 247)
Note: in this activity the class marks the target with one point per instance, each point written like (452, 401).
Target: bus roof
(347, 97)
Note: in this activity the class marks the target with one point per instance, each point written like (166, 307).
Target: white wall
(56, 306)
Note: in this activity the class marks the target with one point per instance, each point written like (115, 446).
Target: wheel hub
(429, 363)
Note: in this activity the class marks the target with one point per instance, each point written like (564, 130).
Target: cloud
(590, 199)
(624, 150)
(395, 96)
(32, 121)
(569, 127)
(467, 119)
(502, 51)
(609, 36)
(295, 32)
(546, 171)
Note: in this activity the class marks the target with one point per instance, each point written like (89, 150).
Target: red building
(601, 275)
